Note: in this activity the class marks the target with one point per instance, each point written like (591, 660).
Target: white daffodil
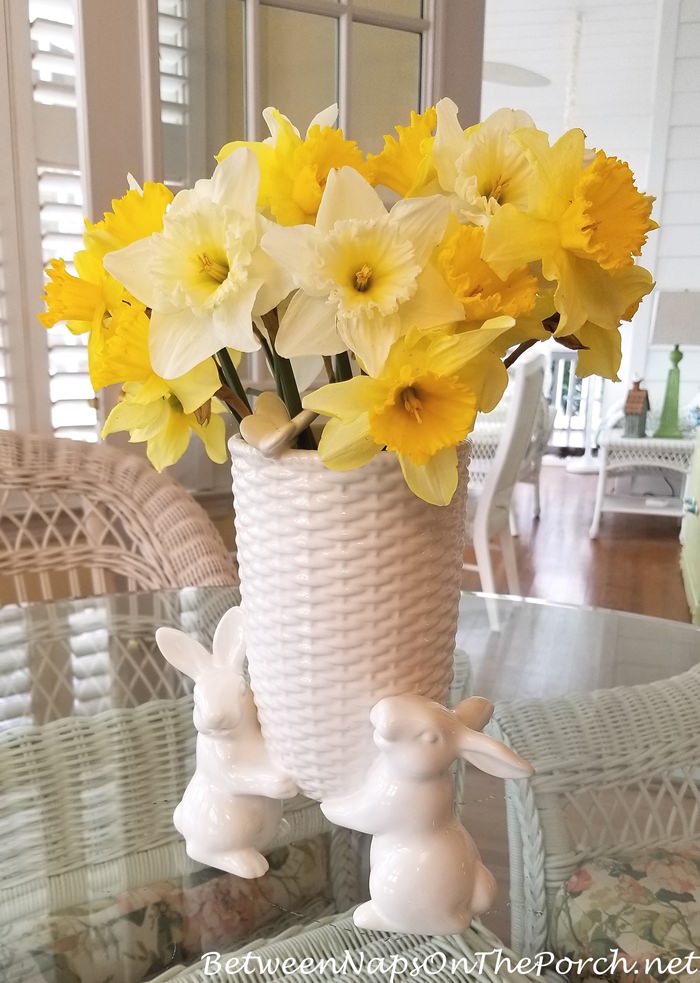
(482, 167)
(204, 276)
(364, 273)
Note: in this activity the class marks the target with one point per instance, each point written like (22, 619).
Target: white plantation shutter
(71, 396)
(172, 60)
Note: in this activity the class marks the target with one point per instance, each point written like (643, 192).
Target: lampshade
(676, 318)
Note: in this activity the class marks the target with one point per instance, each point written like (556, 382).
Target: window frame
(129, 30)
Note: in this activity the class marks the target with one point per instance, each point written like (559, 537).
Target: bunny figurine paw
(232, 808)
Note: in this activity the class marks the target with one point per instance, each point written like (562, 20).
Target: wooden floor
(632, 566)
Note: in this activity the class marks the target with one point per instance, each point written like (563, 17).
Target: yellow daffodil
(85, 301)
(164, 414)
(483, 167)
(419, 407)
(480, 291)
(82, 301)
(405, 164)
(364, 274)
(135, 215)
(293, 172)
(204, 276)
(118, 348)
(585, 222)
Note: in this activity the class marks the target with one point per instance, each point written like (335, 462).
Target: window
(185, 76)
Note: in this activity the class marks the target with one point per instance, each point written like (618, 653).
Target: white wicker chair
(79, 518)
(488, 510)
(86, 807)
(617, 771)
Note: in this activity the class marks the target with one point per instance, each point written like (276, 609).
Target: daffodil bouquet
(496, 240)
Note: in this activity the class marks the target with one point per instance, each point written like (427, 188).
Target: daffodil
(481, 292)
(405, 163)
(364, 274)
(82, 301)
(85, 301)
(483, 167)
(293, 172)
(584, 222)
(118, 348)
(165, 413)
(204, 277)
(135, 215)
(419, 407)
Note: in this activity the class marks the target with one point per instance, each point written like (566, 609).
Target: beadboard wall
(676, 264)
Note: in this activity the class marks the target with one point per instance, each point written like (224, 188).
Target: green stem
(343, 368)
(286, 384)
(228, 370)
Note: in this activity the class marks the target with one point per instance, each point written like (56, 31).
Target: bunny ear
(475, 712)
(229, 640)
(493, 756)
(183, 652)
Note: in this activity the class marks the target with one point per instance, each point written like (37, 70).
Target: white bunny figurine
(231, 809)
(426, 873)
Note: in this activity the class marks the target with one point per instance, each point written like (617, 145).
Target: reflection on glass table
(96, 747)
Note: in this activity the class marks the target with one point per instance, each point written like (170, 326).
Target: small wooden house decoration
(636, 409)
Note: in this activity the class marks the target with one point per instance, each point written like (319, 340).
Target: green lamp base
(668, 424)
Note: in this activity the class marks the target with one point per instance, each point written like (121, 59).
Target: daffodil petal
(603, 352)
(345, 446)
(488, 377)
(514, 239)
(345, 400)
(231, 324)
(294, 249)
(585, 292)
(235, 183)
(306, 369)
(422, 221)
(131, 266)
(436, 481)
(449, 143)
(555, 168)
(371, 337)
(176, 341)
(152, 389)
(348, 196)
(195, 387)
(308, 328)
(140, 421)
(450, 353)
(433, 302)
(326, 117)
(213, 436)
(277, 123)
(170, 443)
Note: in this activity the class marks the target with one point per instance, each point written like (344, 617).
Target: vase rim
(238, 446)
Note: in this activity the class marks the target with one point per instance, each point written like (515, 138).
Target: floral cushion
(647, 907)
(130, 937)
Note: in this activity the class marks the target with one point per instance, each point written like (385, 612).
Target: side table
(619, 453)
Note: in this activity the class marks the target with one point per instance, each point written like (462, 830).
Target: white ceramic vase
(350, 587)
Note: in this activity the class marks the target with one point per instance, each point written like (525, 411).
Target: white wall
(677, 139)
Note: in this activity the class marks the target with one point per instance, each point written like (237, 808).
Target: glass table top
(81, 657)
(97, 744)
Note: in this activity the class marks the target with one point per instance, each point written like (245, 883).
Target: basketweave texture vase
(350, 587)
